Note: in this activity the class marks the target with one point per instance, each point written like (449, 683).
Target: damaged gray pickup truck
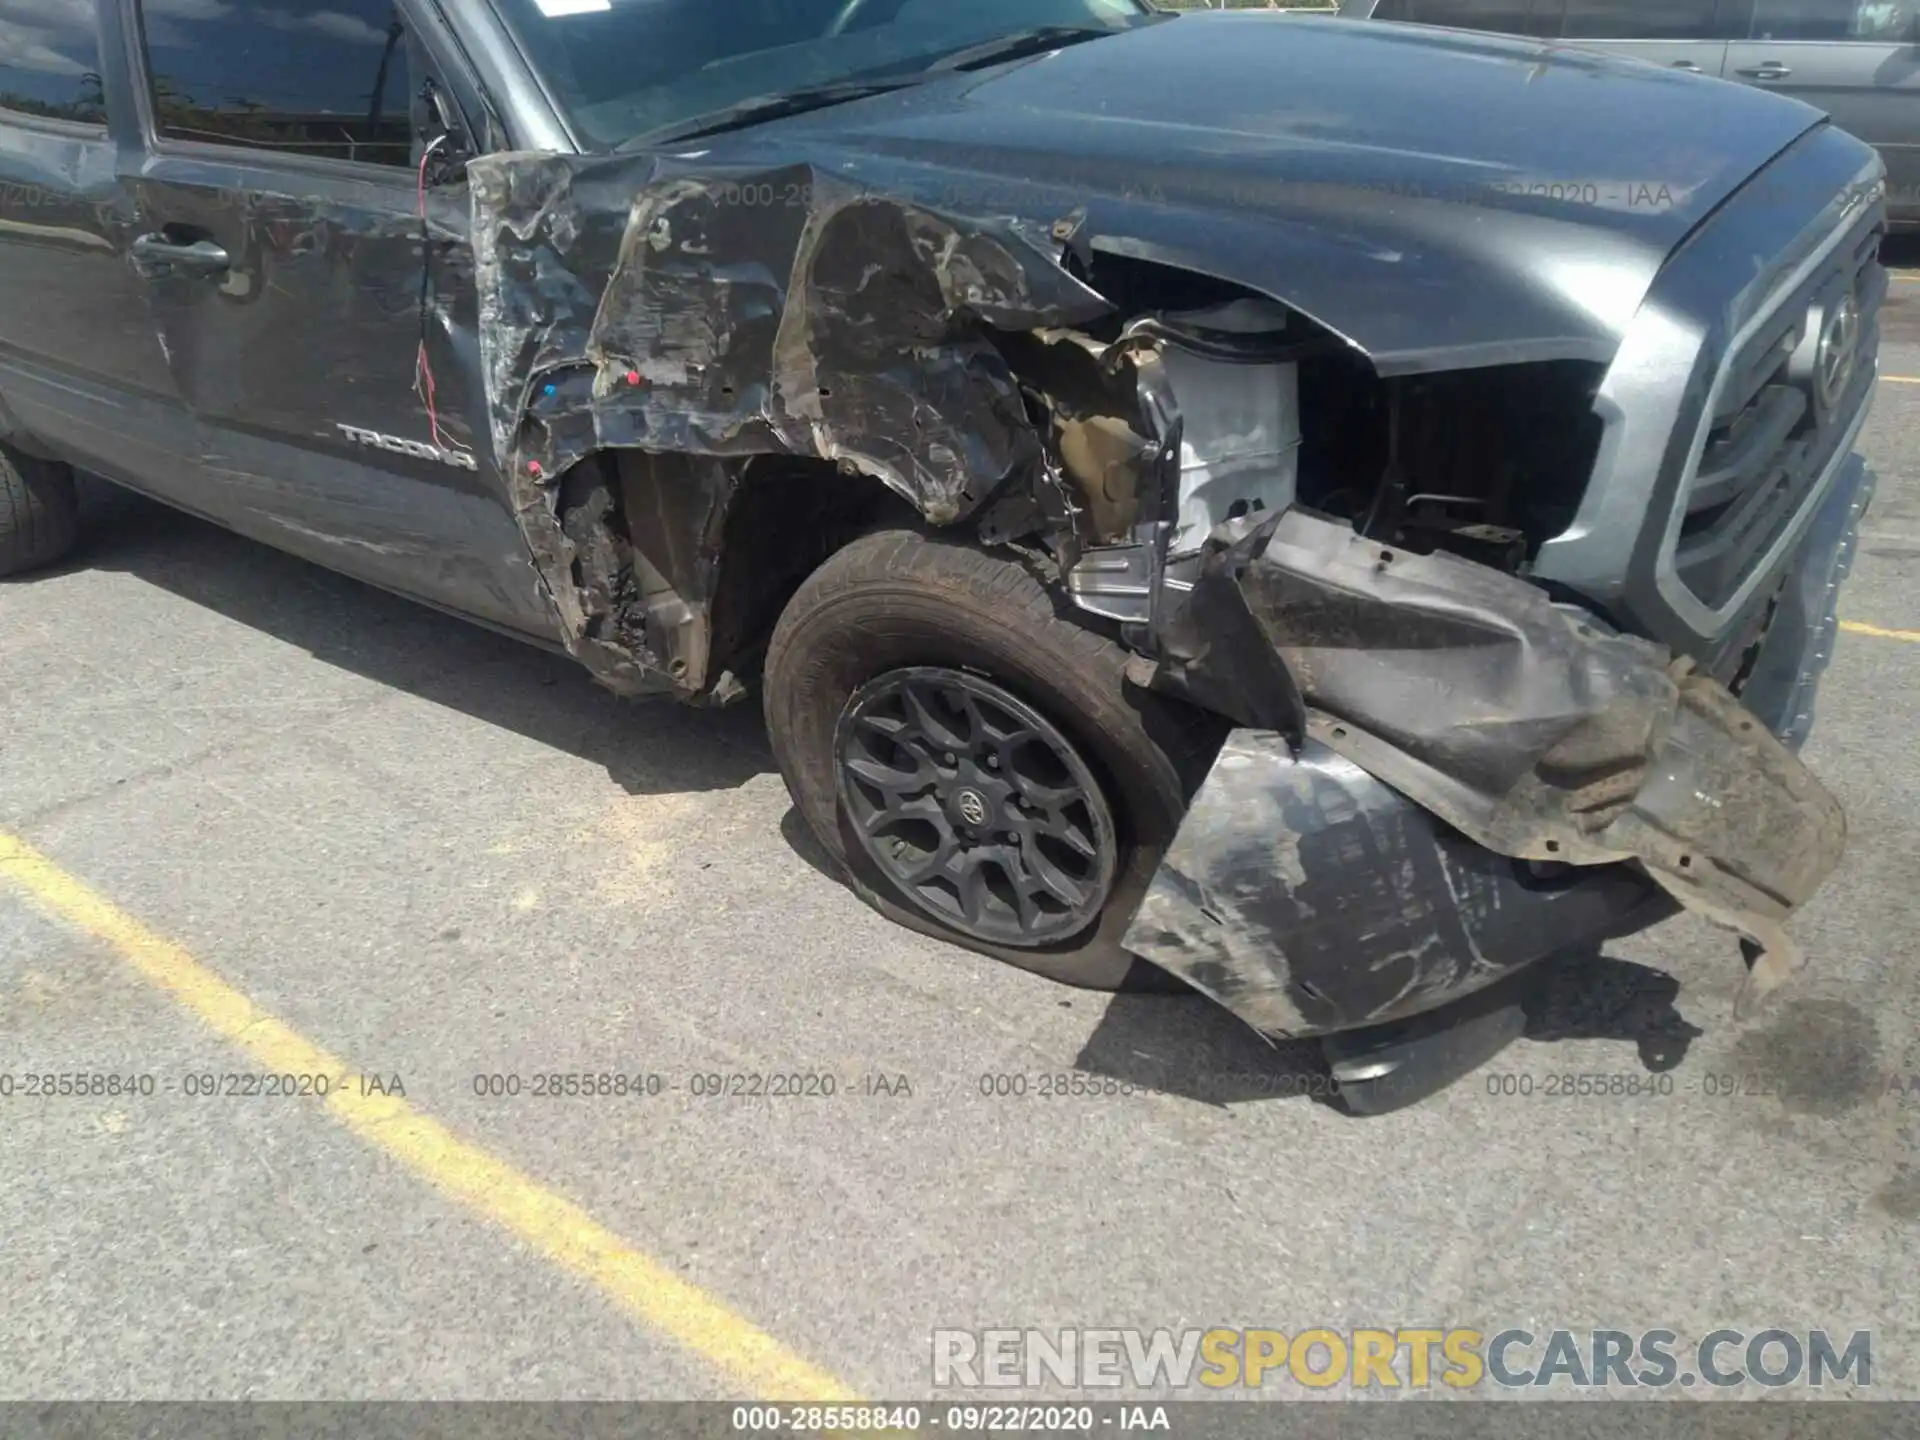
(1329, 511)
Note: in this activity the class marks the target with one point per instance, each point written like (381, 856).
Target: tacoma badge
(419, 449)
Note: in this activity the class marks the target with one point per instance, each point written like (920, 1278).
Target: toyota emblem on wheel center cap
(972, 806)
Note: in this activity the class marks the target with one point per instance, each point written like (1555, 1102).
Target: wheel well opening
(786, 519)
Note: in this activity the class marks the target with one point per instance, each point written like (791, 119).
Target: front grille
(1719, 448)
(1785, 401)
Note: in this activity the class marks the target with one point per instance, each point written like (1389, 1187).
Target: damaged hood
(829, 285)
(1373, 176)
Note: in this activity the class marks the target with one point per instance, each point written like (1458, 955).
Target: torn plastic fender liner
(644, 303)
(1308, 897)
(1527, 726)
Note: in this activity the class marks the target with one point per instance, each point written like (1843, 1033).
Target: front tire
(39, 512)
(898, 610)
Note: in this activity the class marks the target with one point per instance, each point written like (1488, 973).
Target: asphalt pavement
(280, 818)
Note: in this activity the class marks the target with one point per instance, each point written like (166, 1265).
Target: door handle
(1686, 65)
(200, 257)
(1766, 70)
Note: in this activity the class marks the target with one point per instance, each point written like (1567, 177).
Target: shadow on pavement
(1192, 1048)
(1184, 1044)
(1179, 1044)
(646, 747)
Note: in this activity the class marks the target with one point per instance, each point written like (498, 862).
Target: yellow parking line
(555, 1227)
(1901, 379)
(1912, 637)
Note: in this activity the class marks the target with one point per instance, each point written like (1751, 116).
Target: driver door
(281, 244)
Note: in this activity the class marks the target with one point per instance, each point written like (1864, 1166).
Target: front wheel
(39, 512)
(973, 758)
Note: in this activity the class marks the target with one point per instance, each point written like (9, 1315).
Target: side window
(1640, 20)
(1895, 22)
(50, 60)
(304, 77)
(1505, 17)
(1502, 17)
(1882, 20)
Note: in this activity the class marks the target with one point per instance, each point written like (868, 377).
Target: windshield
(623, 68)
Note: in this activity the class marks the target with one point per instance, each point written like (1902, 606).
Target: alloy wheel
(975, 806)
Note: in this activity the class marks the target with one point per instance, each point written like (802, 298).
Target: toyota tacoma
(1327, 512)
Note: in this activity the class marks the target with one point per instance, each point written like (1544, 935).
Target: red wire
(422, 366)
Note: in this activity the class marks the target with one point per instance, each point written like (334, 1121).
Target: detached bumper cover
(1306, 896)
(1482, 777)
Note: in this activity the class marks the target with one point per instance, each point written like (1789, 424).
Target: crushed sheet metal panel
(1306, 896)
(633, 302)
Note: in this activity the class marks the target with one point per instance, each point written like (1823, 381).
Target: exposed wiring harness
(423, 381)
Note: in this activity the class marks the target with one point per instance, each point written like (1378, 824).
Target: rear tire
(39, 512)
(898, 602)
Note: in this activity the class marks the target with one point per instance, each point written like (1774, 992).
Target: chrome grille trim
(1752, 359)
